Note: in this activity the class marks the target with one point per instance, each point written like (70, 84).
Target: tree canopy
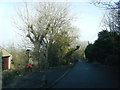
(48, 28)
(105, 49)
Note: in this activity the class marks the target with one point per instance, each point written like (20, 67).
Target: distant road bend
(86, 75)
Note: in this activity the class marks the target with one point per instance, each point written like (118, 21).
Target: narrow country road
(86, 75)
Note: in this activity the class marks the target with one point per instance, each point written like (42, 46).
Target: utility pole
(28, 52)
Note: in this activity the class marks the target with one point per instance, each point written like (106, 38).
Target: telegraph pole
(28, 52)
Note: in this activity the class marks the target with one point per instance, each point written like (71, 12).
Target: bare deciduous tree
(111, 20)
(41, 23)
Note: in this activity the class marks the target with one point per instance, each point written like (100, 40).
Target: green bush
(8, 76)
(105, 49)
(63, 62)
(36, 68)
(112, 60)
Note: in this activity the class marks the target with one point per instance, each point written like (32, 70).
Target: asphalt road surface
(87, 75)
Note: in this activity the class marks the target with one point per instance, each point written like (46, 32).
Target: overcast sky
(88, 21)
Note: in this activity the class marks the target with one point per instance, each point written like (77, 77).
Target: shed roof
(4, 52)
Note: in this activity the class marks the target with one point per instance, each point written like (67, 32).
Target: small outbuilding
(6, 59)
